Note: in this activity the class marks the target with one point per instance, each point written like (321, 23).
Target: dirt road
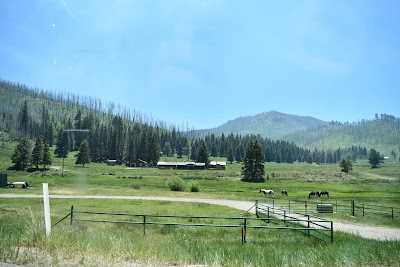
(370, 232)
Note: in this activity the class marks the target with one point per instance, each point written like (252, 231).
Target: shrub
(176, 184)
(136, 186)
(194, 186)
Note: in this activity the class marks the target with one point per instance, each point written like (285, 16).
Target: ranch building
(219, 165)
(137, 163)
(181, 165)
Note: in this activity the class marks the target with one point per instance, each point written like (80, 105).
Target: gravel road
(365, 231)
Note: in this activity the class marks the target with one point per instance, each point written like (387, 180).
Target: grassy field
(110, 244)
(107, 244)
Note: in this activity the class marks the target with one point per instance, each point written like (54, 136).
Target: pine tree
(62, 146)
(24, 119)
(22, 154)
(179, 149)
(153, 152)
(37, 152)
(186, 149)
(253, 163)
(202, 152)
(193, 151)
(167, 149)
(46, 159)
(239, 153)
(374, 158)
(83, 155)
(230, 154)
(346, 165)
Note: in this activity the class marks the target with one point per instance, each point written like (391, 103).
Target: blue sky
(202, 63)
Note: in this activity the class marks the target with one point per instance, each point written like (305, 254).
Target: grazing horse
(313, 193)
(267, 192)
(322, 193)
(284, 192)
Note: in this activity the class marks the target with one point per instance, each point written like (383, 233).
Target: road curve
(365, 231)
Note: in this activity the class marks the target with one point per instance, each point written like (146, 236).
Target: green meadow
(113, 244)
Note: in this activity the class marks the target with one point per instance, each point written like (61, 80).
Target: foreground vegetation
(110, 244)
(106, 244)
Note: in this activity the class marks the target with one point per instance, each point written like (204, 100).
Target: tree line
(127, 141)
(67, 122)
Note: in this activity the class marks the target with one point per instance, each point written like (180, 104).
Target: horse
(313, 193)
(322, 193)
(284, 192)
(267, 192)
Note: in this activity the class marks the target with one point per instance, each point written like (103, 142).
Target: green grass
(110, 244)
(96, 244)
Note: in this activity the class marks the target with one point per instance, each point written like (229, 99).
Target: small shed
(111, 162)
(219, 165)
(138, 163)
(181, 165)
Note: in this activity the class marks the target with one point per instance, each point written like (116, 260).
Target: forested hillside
(273, 124)
(382, 133)
(67, 123)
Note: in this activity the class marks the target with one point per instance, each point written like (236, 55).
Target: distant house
(111, 162)
(183, 165)
(219, 165)
(138, 163)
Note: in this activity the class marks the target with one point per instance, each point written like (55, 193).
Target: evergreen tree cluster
(66, 120)
(25, 155)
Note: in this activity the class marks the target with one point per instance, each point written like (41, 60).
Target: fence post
(308, 225)
(336, 206)
(72, 214)
(352, 208)
(305, 206)
(245, 230)
(144, 224)
(363, 210)
(289, 205)
(257, 207)
(332, 231)
(392, 214)
(273, 204)
(268, 213)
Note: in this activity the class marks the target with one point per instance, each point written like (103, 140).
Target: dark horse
(284, 192)
(322, 193)
(313, 193)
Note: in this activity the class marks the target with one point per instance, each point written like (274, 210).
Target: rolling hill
(382, 133)
(274, 125)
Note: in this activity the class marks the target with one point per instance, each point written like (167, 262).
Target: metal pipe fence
(304, 225)
(345, 206)
(316, 227)
(364, 209)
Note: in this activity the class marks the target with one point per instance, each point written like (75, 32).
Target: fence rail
(374, 210)
(346, 206)
(245, 223)
(316, 227)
